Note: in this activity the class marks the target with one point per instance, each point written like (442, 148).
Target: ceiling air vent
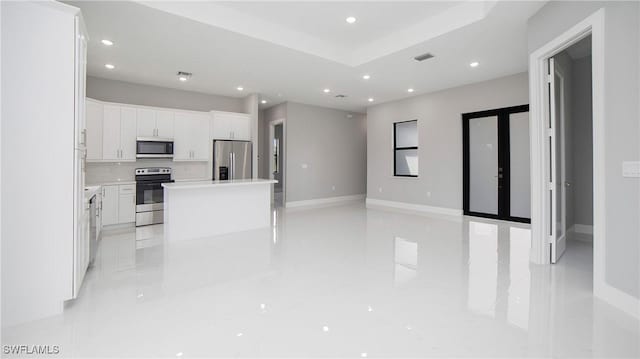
(341, 96)
(423, 57)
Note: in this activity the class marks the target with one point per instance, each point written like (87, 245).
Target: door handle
(567, 184)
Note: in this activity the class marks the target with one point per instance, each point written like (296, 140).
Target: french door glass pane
(520, 200)
(483, 165)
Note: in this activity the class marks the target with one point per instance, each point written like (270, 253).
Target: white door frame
(283, 155)
(540, 202)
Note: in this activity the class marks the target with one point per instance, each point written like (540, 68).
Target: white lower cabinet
(118, 204)
(110, 196)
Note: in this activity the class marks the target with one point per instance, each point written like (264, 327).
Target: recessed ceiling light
(239, 88)
(182, 78)
(263, 102)
(474, 64)
(409, 90)
(351, 19)
(109, 66)
(326, 90)
(370, 99)
(106, 42)
(366, 77)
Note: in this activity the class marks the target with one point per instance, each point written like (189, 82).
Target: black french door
(496, 179)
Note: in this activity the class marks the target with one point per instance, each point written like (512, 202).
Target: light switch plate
(631, 169)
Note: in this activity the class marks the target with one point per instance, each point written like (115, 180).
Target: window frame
(396, 149)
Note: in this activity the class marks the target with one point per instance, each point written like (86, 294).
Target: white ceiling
(293, 50)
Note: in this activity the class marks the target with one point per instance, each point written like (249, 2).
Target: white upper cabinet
(95, 113)
(155, 123)
(112, 130)
(191, 140)
(111, 133)
(230, 126)
(164, 124)
(146, 122)
(128, 126)
(119, 133)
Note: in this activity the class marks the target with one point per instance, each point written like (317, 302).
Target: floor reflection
(483, 267)
(337, 282)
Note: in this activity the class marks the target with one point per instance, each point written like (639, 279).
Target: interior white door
(557, 153)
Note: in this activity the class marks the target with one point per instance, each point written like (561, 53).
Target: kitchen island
(199, 209)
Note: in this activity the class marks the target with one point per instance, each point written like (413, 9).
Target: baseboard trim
(328, 201)
(582, 228)
(412, 207)
(617, 298)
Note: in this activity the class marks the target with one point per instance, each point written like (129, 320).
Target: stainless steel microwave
(154, 147)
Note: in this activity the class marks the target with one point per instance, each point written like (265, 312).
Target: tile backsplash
(101, 172)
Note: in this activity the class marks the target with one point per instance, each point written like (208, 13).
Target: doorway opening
(277, 161)
(571, 149)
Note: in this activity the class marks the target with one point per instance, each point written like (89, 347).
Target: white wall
(330, 146)
(440, 140)
(622, 132)
(146, 95)
(333, 148)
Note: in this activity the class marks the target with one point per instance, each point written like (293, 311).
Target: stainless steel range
(150, 194)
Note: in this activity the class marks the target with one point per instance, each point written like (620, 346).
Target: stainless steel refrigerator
(231, 159)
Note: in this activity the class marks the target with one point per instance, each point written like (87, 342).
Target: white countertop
(210, 183)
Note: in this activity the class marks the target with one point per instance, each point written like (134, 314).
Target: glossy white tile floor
(337, 282)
